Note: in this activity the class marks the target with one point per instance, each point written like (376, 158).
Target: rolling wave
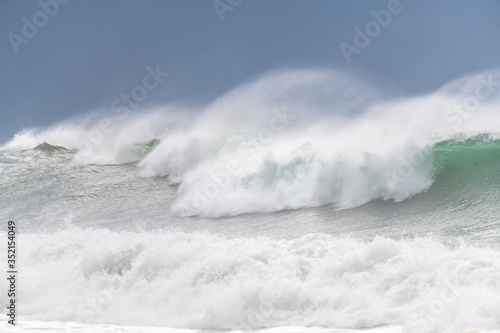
(300, 139)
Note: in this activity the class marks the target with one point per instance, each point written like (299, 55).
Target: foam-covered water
(199, 280)
(304, 198)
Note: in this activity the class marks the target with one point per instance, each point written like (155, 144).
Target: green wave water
(467, 171)
(48, 148)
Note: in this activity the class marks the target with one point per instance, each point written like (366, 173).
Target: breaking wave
(297, 139)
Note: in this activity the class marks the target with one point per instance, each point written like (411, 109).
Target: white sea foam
(71, 327)
(203, 281)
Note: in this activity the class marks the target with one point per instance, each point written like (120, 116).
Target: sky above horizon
(66, 58)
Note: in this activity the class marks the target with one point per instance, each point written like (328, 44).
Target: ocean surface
(305, 201)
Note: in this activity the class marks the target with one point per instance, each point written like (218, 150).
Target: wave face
(291, 140)
(204, 281)
(467, 171)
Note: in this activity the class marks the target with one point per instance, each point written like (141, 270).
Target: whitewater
(302, 201)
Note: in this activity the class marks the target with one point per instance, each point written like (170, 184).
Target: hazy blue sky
(91, 51)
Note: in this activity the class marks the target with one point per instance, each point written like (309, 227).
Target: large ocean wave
(297, 139)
